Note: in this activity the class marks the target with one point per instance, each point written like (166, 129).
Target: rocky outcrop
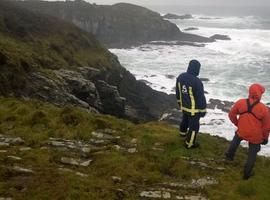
(174, 116)
(178, 43)
(143, 101)
(220, 37)
(191, 29)
(109, 91)
(174, 16)
(110, 98)
(10, 141)
(67, 86)
(225, 106)
(119, 26)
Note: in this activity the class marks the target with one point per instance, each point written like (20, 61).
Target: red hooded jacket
(250, 128)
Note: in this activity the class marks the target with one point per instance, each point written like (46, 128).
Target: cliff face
(120, 25)
(47, 59)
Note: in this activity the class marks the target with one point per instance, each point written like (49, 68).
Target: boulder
(174, 16)
(72, 171)
(112, 102)
(193, 184)
(22, 170)
(202, 182)
(223, 105)
(75, 145)
(155, 194)
(191, 197)
(132, 150)
(142, 102)
(145, 81)
(169, 76)
(191, 29)
(14, 157)
(220, 37)
(25, 149)
(104, 136)
(173, 116)
(83, 89)
(116, 179)
(205, 79)
(4, 144)
(76, 162)
(14, 141)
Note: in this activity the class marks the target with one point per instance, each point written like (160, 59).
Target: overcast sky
(189, 2)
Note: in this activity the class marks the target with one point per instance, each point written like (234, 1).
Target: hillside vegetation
(30, 42)
(45, 58)
(68, 153)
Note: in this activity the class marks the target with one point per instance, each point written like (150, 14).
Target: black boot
(248, 175)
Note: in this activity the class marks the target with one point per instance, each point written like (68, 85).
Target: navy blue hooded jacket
(190, 90)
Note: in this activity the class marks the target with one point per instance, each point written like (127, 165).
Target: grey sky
(189, 2)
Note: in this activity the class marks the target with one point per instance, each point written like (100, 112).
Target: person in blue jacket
(192, 102)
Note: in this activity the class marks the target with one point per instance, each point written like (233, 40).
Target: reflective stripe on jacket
(190, 94)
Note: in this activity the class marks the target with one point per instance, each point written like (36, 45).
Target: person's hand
(265, 141)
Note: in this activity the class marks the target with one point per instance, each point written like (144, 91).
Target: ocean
(231, 66)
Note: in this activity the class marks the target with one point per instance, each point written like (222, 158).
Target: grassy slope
(39, 37)
(35, 122)
(30, 42)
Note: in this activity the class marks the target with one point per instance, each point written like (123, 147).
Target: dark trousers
(191, 125)
(253, 149)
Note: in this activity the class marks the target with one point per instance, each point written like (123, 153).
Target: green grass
(35, 122)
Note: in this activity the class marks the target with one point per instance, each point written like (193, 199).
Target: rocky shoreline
(174, 116)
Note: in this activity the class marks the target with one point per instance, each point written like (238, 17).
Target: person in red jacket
(252, 119)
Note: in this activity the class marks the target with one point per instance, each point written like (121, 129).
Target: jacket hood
(256, 91)
(194, 67)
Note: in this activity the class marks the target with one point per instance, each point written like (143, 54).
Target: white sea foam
(247, 22)
(231, 65)
(217, 123)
